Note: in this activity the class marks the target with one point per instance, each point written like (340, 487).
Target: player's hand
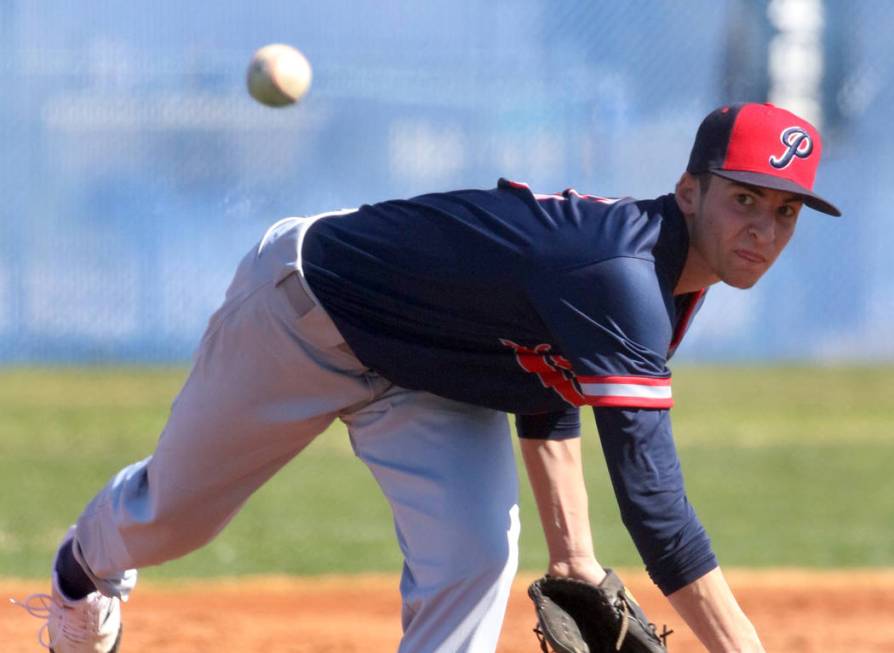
(574, 616)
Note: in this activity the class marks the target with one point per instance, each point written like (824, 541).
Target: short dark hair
(704, 182)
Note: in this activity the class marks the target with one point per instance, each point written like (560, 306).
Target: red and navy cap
(761, 145)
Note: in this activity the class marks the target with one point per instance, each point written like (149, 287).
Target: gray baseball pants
(271, 373)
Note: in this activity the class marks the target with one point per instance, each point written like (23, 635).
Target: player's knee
(495, 561)
(164, 529)
(488, 550)
(164, 537)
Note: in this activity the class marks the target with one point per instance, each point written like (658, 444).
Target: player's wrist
(584, 567)
(712, 612)
(749, 642)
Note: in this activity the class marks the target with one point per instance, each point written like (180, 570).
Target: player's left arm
(610, 319)
(647, 478)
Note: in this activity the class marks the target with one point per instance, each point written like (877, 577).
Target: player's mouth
(751, 257)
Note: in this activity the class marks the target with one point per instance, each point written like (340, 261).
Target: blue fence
(135, 170)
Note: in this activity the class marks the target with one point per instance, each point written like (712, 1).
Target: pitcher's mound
(794, 611)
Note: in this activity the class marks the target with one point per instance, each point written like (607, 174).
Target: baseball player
(420, 323)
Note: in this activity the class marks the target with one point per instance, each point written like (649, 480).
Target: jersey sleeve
(557, 425)
(611, 324)
(648, 483)
(611, 320)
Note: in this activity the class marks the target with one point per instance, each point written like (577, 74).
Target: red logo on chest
(553, 370)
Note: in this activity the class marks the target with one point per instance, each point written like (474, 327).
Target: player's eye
(787, 211)
(745, 199)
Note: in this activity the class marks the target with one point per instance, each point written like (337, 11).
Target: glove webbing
(663, 635)
(625, 626)
(541, 638)
(623, 613)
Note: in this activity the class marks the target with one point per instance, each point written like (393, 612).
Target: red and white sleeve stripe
(626, 391)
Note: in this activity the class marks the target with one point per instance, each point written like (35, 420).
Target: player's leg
(255, 398)
(267, 378)
(448, 471)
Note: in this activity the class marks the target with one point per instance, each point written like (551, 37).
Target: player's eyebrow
(757, 190)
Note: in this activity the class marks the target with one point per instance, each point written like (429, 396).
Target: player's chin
(743, 280)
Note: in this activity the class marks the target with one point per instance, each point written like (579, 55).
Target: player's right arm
(555, 472)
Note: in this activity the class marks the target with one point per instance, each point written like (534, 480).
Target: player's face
(740, 230)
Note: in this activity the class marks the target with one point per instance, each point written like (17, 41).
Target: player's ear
(686, 193)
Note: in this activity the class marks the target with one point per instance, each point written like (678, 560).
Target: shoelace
(45, 607)
(40, 606)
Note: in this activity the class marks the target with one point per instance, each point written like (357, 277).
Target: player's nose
(762, 229)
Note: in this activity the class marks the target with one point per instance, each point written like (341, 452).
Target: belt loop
(298, 297)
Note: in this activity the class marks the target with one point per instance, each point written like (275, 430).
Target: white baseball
(278, 75)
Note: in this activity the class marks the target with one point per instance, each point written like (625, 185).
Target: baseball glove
(574, 616)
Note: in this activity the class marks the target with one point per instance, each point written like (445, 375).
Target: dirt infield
(795, 612)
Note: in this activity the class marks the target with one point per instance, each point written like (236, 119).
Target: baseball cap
(761, 145)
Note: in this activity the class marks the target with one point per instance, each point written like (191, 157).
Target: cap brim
(811, 199)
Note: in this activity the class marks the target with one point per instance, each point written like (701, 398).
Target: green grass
(786, 466)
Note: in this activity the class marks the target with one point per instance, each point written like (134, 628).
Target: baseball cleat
(88, 625)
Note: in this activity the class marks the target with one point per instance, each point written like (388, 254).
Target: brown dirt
(795, 612)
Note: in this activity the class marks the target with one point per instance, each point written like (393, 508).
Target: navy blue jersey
(536, 305)
(502, 298)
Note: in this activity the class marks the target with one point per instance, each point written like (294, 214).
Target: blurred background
(135, 170)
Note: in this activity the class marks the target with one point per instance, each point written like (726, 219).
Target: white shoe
(89, 625)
